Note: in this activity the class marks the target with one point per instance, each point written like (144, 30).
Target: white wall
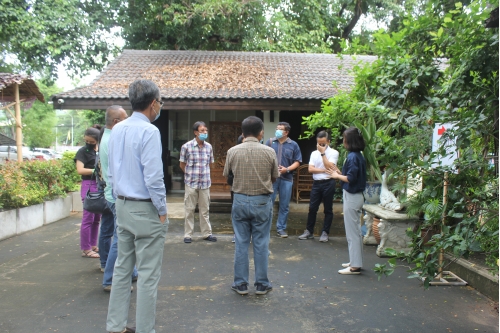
(270, 127)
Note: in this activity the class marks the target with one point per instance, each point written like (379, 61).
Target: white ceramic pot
(372, 192)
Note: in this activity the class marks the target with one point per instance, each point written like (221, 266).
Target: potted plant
(372, 146)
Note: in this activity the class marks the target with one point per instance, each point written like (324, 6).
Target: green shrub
(30, 183)
(69, 155)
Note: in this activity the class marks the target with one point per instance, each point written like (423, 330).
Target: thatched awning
(28, 90)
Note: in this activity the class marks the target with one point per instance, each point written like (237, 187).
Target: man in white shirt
(323, 186)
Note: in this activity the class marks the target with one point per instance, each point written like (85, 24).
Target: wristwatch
(287, 170)
(323, 154)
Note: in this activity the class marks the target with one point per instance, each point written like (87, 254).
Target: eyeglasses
(160, 102)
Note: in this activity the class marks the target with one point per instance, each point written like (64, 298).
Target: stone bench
(392, 229)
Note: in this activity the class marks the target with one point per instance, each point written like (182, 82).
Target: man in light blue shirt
(135, 174)
(114, 115)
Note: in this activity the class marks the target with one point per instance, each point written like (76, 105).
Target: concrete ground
(48, 287)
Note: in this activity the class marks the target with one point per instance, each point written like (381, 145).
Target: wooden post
(19, 129)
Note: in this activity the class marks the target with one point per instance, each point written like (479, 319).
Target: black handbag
(95, 202)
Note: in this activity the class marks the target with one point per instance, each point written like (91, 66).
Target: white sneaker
(324, 237)
(346, 264)
(349, 271)
(306, 235)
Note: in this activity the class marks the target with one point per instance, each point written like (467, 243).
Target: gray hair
(197, 125)
(141, 93)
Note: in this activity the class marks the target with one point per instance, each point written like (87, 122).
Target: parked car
(49, 152)
(41, 156)
(10, 153)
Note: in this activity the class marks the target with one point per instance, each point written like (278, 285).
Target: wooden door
(222, 136)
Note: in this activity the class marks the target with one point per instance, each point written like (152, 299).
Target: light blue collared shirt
(135, 165)
(103, 157)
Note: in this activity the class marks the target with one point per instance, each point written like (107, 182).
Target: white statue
(387, 199)
(369, 238)
(390, 234)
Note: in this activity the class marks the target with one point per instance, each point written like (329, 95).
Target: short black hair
(93, 132)
(141, 93)
(353, 139)
(197, 125)
(252, 126)
(240, 139)
(286, 125)
(323, 134)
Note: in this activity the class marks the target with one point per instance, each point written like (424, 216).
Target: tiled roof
(27, 87)
(6, 141)
(224, 75)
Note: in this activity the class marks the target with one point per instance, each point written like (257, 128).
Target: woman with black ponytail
(85, 161)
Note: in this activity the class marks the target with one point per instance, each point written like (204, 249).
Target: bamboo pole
(445, 201)
(19, 129)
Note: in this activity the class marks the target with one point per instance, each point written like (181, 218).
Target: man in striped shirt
(255, 168)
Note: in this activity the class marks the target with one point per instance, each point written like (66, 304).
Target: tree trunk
(357, 14)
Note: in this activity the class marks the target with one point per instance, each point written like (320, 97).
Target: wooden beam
(198, 104)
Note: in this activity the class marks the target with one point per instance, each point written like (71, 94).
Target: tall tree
(269, 25)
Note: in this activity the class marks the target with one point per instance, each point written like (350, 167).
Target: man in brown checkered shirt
(255, 168)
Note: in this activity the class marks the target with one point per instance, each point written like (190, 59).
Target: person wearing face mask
(195, 159)
(135, 174)
(85, 161)
(289, 159)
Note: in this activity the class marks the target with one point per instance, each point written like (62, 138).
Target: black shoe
(241, 289)
(211, 238)
(261, 289)
(187, 240)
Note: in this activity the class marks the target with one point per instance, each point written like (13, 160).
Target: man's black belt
(133, 199)
(323, 180)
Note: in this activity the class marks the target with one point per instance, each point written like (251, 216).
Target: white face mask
(157, 114)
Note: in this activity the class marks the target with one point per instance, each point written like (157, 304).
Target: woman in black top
(85, 161)
(353, 179)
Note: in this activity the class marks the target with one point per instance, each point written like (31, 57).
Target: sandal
(95, 249)
(90, 254)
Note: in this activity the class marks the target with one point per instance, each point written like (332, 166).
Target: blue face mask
(203, 136)
(278, 134)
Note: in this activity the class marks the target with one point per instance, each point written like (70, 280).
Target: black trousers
(322, 192)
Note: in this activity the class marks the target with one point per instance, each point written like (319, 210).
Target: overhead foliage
(245, 25)
(37, 35)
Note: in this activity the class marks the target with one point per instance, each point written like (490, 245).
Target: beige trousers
(202, 198)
